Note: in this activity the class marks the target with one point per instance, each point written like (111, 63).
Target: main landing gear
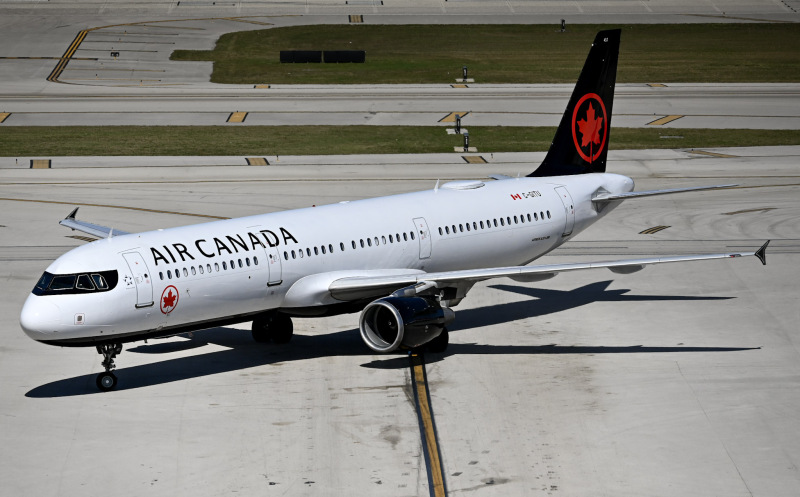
(275, 327)
(108, 380)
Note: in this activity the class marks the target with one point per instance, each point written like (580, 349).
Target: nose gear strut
(108, 380)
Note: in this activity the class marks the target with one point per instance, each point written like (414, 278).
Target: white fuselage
(197, 276)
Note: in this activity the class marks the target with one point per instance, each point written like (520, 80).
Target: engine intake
(389, 323)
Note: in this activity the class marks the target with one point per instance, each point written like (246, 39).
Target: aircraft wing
(89, 228)
(412, 283)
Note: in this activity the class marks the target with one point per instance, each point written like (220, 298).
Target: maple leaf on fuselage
(590, 127)
(169, 300)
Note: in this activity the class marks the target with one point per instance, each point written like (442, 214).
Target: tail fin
(581, 142)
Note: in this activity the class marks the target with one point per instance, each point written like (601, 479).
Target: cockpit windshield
(63, 284)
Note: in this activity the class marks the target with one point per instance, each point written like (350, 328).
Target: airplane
(402, 261)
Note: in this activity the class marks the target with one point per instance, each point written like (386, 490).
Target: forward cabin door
(274, 266)
(569, 209)
(424, 234)
(141, 278)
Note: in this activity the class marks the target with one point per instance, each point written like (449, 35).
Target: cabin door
(424, 234)
(141, 278)
(569, 209)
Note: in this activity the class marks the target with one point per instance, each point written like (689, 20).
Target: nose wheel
(108, 381)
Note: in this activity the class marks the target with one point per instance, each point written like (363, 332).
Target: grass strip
(756, 52)
(43, 141)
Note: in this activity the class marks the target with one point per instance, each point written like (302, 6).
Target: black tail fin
(581, 142)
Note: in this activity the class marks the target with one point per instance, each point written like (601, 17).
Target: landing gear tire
(439, 344)
(275, 327)
(106, 381)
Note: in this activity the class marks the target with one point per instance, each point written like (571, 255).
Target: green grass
(508, 53)
(44, 141)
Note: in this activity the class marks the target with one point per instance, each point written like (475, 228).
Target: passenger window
(208, 267)
(255, 261)
(194, 272)
(201, 269)
(354, 244)
(233, 265)
(474, 225)
(529, 218)
(495, 223)
(362, 243)
(548, 214)
(247, 260)
(84, 282)
(316, 251)
(285, 256)
(412, 235)
(224, 266)
(161, 275)
(405, 237)
(515, 220)
(481, 224)
(541, 215)
(468, 228)
(502, 222)
(330, 248)
(341, 246)
(397, 237)
(216, 267)
(369, 242)
(454, 229)
(323, 249)
(293, 254)
(301, 253)
(508, 219)
(177, 273)
(383, 239)
(240, 263)
(185, 272)
(391, 239)
(535, 216)
(169, 274)
(447, 229)
(100, 282)
(376, 241)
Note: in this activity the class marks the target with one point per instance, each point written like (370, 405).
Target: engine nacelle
(391, 322)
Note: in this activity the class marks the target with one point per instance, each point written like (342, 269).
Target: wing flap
(352, 288)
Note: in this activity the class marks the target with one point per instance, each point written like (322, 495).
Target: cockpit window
(62, 284)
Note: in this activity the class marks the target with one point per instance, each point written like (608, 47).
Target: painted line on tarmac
(712, 154)
(451, 117)
(427, 426)
(237, 117)
(4, 116)
(82, 204)
(62, 63)
(654, 229)
(664, 120)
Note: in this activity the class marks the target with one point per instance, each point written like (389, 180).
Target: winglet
(72, 214)
(762, 253)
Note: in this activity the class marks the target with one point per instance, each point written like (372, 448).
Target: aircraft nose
(39, 317)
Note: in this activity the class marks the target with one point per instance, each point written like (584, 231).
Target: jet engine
(389, 323)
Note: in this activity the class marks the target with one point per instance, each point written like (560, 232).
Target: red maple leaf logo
(169, 300)
(590, 127)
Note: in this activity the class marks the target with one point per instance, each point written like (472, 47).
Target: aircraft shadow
(242, 353)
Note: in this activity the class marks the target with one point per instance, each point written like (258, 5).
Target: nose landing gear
(107, 381)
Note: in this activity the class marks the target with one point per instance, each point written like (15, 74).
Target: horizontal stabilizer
(89, 228)
(604, 196)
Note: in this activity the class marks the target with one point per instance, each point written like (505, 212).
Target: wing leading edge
(355, 288)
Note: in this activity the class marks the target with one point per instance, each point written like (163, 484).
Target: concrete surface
(672, 381)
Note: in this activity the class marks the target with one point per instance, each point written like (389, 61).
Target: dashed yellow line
(40, 163)
(257, 161)
(459, 86)
(427, 427)
(4, 116)
(237, 117)
(451, 117)
(473, 159)
(356, 19)
(656, 85)
(664, 120)
(262, 87)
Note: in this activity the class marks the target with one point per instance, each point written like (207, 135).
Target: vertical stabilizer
(581, 142)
